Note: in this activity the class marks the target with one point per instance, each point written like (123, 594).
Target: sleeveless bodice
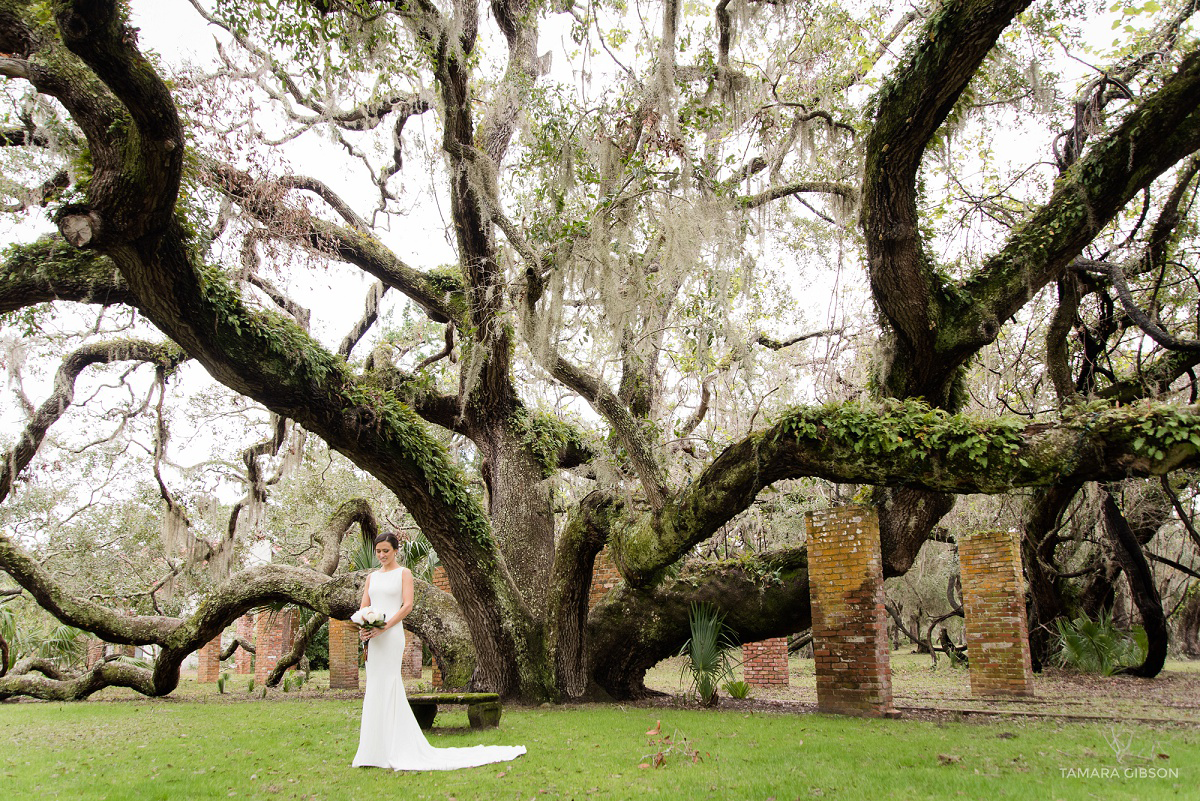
(387, 590)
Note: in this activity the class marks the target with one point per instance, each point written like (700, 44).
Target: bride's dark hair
(390, 538)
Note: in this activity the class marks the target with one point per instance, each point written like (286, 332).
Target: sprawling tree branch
(370, 315)
(912, 106)
(49, 269)
(352, 245)
(908, 446)
(1088, 196)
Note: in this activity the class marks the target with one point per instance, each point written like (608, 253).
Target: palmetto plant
(707, 651)
(66, 645)
(363, 557)
(1097, 646)
(417, 554)
(8, 630)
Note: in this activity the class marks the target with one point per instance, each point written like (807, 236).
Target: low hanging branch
(236, 643)
(299, 646)
(179, 637)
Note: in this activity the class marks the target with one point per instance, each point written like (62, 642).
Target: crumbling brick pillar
(274, 633)
(209, 666)
(242, 659)
(994, 608)
(343, 655)
(410, 666)
(765, 663)
(605, 576)
(442, 582)
(850, 645)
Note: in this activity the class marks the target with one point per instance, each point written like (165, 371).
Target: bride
(390, 736)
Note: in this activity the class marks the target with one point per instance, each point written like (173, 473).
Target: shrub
(707, 652)
(1098, 646)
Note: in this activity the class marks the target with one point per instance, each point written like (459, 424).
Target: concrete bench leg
(484, 715)
(425, 713)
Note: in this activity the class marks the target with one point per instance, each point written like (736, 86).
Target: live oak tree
(612, 244)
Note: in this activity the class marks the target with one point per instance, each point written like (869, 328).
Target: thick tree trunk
(570, 590)
(1189, 627)
(522, 519)
(1141, 587)
(906, 516)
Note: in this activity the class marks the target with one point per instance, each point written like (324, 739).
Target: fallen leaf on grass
(502, 774)
(949, 759)
(657, 728)
(644, 765)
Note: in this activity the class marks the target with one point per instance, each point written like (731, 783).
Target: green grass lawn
(300, 748)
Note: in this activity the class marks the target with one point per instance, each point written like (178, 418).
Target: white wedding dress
(390, 736)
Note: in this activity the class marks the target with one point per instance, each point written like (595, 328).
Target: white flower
(369, 618)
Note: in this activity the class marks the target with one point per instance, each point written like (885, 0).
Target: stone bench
(483, 709)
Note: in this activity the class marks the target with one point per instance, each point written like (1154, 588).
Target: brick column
(273, 636)
(604, 577)
(442, 582)
(243, 659)
(410, 667)
(209, 667)
(765, 663)
(95, 652)
(994, 607)
(343, 655)
(845, 580)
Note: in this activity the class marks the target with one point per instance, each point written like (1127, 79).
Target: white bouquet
(369, 618)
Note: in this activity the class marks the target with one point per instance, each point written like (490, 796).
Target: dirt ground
(922, 692)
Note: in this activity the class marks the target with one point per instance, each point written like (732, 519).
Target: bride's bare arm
(406, 591)
(366, 599)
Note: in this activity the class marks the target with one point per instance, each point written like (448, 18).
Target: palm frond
(363, 557)
(707, 651)
(66, 645)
